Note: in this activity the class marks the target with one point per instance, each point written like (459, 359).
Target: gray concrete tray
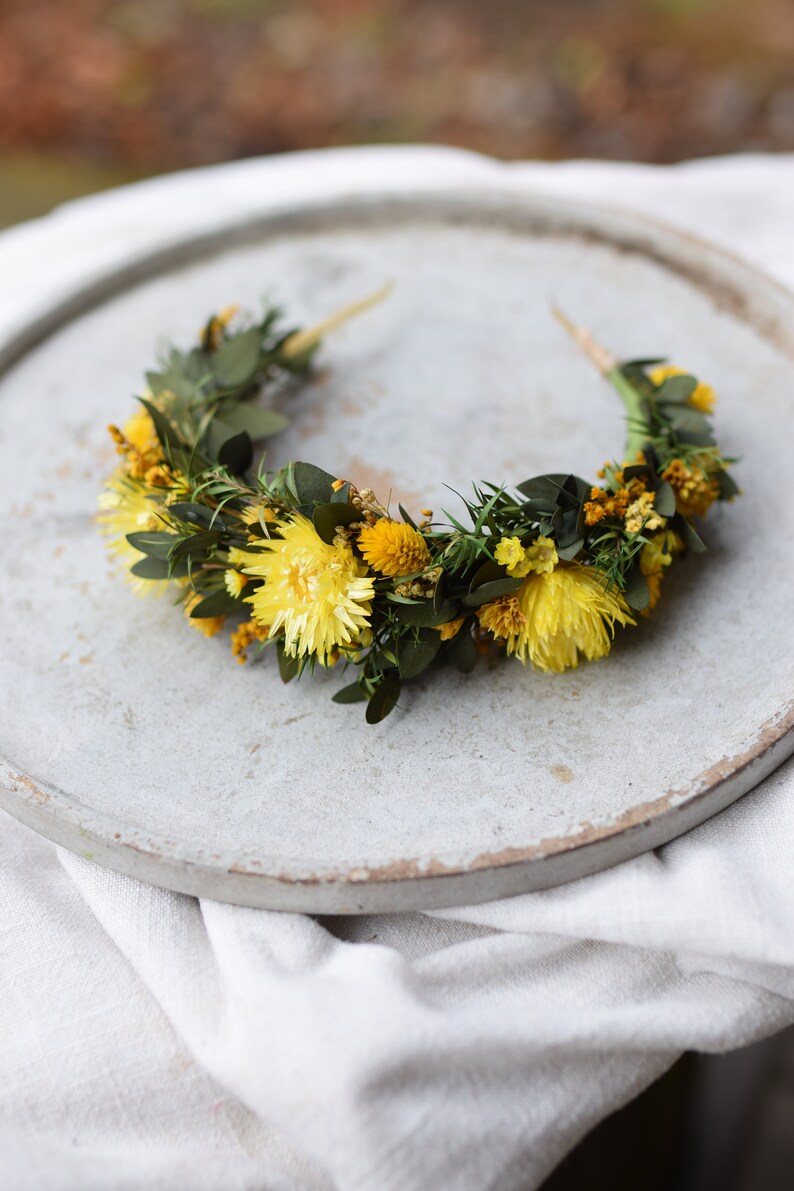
(134, 741)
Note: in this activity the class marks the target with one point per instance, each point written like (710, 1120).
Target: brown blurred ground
(96, 91)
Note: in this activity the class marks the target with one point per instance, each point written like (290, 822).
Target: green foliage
(203, 408)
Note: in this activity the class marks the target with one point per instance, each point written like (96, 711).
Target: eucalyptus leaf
(488, 572)
(490, 591)
(460, 650)
(664, 500)
(636, 592)
(152, 542)
(166, 432)
(728, 486)
(385, 698)
(415, 656)
(288, 667)
(193, 513)
(158, 568)
(237, 453)
(689, 536)
(566, 553)
(424, 615)
(253, 419)
(312, 484)
(237, 360)
(676, 389)
(327, 517)
(220, 603)
(197, 543)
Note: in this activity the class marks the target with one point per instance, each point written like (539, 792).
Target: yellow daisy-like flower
(129, 506)
(234, 582)
(510, 553)
(566, 612)
(320, 595)
(703, 396)
(393, 548)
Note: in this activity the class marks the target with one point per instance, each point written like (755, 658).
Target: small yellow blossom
(541, 557)
(694, 486)
(641, 515)
(244, 636)
(449, 629)
(208, 625)
(703, 396)
(319, 594)
(234, 582)
(393, 548)
(510, 553)
(137, 441)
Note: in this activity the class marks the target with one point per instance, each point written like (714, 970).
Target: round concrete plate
(138, 743)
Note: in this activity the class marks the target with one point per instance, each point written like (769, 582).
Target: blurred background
(98, 92)
(95, 92)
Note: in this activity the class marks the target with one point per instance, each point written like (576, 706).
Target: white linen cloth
(149, 1039)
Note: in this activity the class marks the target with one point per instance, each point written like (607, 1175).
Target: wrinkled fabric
(152, 1039)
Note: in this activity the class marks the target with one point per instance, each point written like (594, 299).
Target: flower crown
(307, 564)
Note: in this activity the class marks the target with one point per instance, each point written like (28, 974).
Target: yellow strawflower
(128, 506)
(558, 615)
(703, 396)
(320, 595)
(393, 548)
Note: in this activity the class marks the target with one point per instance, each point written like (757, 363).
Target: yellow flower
(566, 612)
(541, 557)
(137, 441)
(449, 629)
(654, 558)
(641, 515)
(703, 396)
(320, 595)
(502, 617)
(393, 548)
(208, 625)
(694, 486)
(244, 636)
(128, 506)
(510, 553)
(234, 582)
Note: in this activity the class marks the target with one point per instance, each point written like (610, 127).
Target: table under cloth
(149, 1039)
